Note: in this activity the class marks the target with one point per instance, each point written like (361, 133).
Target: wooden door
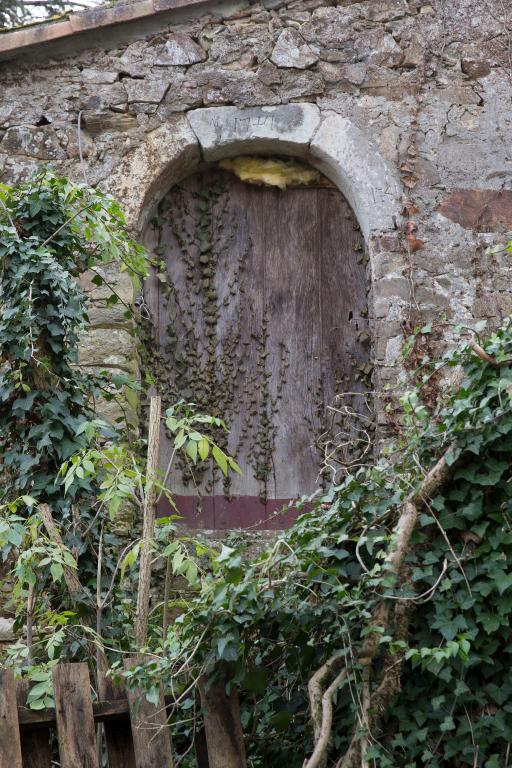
(258, 313)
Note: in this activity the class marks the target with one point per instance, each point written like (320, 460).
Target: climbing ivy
(444, 659)
(51, 231)
(66, 473)
(438, 687)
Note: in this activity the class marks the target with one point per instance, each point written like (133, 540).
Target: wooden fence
(136, 733)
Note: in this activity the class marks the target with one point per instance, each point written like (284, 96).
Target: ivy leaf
(502, 580)
(490, 623)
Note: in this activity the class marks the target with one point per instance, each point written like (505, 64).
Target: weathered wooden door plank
(221, 713)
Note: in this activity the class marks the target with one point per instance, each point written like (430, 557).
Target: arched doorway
(259, 314)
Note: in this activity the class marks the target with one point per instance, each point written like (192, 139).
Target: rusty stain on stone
(481, 210)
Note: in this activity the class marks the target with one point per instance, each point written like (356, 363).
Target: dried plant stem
(148, 523)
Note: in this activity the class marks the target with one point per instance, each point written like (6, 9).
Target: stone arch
(328, 141)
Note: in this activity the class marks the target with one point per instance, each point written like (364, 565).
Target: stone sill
(13, 43)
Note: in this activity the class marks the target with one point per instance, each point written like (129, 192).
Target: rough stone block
(475, 69)
(389, 10)
(114, 279)
(459, 95)
(100, 122)
(103, 77)
(109, 348)
(103, 316)
(297, 85)
(40, 143)
(180, 49)
(229, 131)
(242, 88)
(291, 50)
(148, 91)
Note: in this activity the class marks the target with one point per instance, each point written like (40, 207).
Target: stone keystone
(230, 131)
(291, 50)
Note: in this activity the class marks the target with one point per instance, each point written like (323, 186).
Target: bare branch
(321, 708)
(431, 485)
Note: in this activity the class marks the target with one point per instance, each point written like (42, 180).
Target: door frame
(328, 141)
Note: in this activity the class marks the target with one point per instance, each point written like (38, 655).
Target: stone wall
(424, 88)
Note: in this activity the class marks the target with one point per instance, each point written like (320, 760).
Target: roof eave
(24, 38)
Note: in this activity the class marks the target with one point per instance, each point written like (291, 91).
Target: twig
(30, 621)
(167, 590)
(75, 588)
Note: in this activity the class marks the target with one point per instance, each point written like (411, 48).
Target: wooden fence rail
(136, 732)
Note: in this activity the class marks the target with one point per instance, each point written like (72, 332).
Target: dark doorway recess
(259, 315)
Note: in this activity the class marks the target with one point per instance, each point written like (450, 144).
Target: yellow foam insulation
(274, 172)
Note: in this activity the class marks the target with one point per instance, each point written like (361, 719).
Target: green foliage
(53, 447)
(181, 420)
(51, 231)
(276, 620)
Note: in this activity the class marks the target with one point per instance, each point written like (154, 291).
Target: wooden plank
(343, 301)
(103, 712)
(75, 722)
(292, 243)
(201, 748)
(239, 284)
(151, 734)
(148, 522)
(223, 729)
(10, 746)
(35, 743)
(118, 733)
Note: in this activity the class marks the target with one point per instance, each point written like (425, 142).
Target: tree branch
(320, 715)
(431, 485)
(486, 357)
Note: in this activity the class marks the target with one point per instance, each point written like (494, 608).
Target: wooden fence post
(74, 715)
(10, 745)
(151, 735)
(224, 736)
